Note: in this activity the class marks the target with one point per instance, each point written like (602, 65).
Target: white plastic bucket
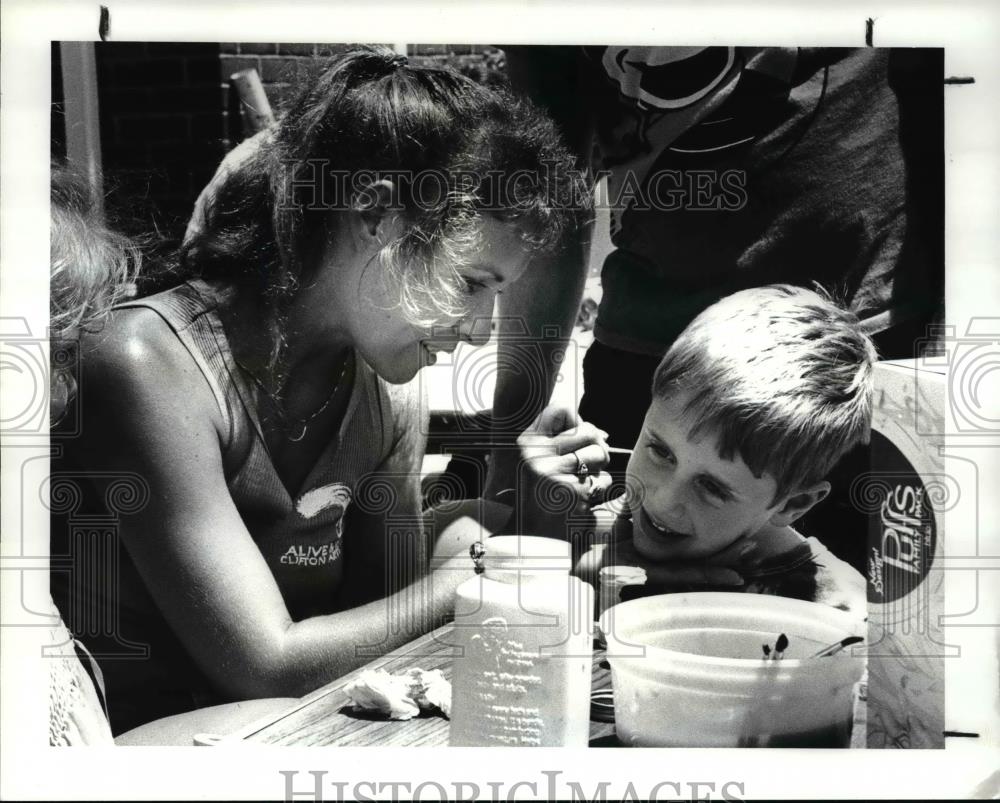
(700, 680)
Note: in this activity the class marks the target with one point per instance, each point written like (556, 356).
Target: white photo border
(31, 770)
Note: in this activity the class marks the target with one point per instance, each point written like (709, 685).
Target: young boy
(752, 406)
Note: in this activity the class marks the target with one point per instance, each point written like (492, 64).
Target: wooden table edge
(244, 733)
(858, 730)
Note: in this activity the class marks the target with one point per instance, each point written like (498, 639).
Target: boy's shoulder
(810, 571)
(839, 584)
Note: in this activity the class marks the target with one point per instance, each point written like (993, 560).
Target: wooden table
(327, 718)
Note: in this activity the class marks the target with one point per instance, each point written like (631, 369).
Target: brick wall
(168, 115)
(162, 112)
(281, 66)
(482, 63)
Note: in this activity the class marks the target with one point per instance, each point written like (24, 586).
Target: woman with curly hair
(267, 403)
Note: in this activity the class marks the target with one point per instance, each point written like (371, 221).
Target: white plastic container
(702, 680)
(521, 676)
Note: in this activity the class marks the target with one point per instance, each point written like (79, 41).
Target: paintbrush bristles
(779, 649)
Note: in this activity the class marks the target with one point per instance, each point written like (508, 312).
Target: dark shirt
(739, 167)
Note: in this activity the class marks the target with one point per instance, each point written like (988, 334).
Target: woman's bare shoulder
(129, 336)
(137, 359)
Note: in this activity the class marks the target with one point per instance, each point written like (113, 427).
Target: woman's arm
(147, 409)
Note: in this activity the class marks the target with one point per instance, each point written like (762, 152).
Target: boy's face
(690, 503)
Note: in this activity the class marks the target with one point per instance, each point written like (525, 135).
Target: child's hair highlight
(781, 376)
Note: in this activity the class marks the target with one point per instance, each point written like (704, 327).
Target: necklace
(302, 424)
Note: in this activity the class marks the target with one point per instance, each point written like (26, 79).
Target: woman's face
(397, 349)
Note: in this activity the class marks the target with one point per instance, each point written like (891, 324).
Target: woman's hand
(559, 473)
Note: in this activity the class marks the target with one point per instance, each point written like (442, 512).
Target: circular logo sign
(902, 535)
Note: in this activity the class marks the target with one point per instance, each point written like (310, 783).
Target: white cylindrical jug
(521, 675)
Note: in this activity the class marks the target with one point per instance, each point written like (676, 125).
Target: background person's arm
(148, 410)
(548, 294)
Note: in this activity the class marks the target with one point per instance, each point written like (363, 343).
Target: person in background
(91, 268)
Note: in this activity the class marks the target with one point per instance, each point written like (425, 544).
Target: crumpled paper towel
(400, 696)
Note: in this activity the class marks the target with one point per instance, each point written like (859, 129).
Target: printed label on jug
(902, 534)
(507, 674)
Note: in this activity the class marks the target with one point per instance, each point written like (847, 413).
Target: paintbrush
(836, 647)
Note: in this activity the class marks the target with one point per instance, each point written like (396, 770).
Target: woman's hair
(91, 266)
(780, 375)
(453, 149)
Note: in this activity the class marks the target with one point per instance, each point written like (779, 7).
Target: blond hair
(91, 266)
(780, 375)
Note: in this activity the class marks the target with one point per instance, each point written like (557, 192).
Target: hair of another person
(91, 266)
(780, 375)
(454, 149)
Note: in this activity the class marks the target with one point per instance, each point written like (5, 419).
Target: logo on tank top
(311, 555)
(331, 501)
